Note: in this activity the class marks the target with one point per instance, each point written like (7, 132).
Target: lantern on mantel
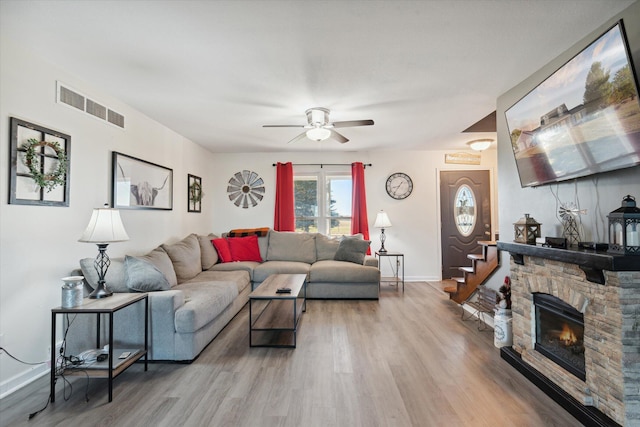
(624, 228)
(526, 230)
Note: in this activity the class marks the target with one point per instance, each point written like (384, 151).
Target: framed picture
(138, 184)
(194, 193)
(40, 165)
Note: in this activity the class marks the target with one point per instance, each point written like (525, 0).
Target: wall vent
(73, 98)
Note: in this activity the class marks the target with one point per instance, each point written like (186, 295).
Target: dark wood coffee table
(274, 317)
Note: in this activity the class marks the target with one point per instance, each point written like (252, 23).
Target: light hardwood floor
(405, 360)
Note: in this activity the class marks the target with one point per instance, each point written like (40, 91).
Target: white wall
(599, 194)
(416, 223)
(39, 244)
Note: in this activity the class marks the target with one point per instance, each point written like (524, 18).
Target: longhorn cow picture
(138, 184)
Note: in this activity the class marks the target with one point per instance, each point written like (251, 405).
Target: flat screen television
(581, 120)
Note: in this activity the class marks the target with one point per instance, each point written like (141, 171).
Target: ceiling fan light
(318, 134)
(480, 144)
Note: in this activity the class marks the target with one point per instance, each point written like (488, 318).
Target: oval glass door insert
(465, 210)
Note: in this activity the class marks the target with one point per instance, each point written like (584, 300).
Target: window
(323, 202)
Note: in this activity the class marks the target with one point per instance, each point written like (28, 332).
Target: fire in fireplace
(560, 333)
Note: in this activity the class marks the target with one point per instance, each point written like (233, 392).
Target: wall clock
(399, 186)
(245, 189)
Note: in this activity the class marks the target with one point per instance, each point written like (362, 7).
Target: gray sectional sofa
(192, 295)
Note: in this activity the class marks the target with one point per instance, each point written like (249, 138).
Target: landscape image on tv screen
(583, 119)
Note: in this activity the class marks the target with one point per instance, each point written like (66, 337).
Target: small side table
(397, 278)
(100, 306)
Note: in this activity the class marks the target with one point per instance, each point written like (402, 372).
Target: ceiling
(216, 71)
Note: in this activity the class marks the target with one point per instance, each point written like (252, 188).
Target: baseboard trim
(23, 379)
(587, 415)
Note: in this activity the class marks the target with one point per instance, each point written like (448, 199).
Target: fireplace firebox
(560, 333)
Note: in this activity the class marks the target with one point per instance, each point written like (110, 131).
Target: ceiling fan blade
(303, 135)
(351, 123)
(338, 137)
(283, 126)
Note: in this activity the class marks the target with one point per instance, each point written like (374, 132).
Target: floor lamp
(382, 222)
(105, 226)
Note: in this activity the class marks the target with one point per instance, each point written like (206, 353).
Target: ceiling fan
(319, 128)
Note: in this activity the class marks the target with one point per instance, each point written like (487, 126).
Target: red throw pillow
(244, 248)
(222, 246)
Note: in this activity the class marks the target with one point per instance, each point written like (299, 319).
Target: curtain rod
(326, 164)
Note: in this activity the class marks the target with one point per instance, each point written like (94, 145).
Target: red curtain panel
(359, 221)
(284, 219)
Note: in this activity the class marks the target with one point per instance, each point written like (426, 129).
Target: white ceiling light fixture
(480, 144)
(318, 134)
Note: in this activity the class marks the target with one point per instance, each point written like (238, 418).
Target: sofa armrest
(370, 261)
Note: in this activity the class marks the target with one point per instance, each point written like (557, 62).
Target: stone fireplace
(576, 325)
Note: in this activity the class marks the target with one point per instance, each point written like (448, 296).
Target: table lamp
(105, 226)
(382, 222)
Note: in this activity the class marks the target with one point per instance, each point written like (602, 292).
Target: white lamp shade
(105, 226)
(318, 134)
(382, 220)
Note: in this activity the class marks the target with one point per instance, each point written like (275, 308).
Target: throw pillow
(244, 248)
(143, 276)
(186, 258)
(114, 278)
(161, 260)
(209, 255)
(222, 247)
(243, 232)
(352, 250)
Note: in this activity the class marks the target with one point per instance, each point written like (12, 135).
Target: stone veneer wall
(611, 332)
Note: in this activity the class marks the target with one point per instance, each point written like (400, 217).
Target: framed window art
(40, 165)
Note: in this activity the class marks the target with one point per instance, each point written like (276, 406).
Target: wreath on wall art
(32, 161)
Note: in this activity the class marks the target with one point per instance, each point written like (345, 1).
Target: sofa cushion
(247, 266)
(352, 249)
(291, 246)
(115, 278)
(241, 278)
(208, 253)
(185, 256)
(244, 248)
(142, 276)
(161, 260)
(266, 269)
(204, 301)
(326, 247)
(342, 272)
(222, 247)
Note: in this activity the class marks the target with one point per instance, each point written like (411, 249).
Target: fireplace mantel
(590, 261)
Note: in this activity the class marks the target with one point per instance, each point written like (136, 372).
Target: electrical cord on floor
(59, 364)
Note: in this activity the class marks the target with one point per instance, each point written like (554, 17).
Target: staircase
(482, 266)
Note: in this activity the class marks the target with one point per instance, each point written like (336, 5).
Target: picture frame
(36, 153)
(139, 184)
(194, 193)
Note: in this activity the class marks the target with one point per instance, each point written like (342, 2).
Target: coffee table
(274, 317)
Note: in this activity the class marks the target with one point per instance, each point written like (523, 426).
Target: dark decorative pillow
(243, 232)
(142, 276)
(222, 246)
(244, 248)
(352, 250)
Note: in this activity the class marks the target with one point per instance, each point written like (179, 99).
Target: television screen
(583, 119)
